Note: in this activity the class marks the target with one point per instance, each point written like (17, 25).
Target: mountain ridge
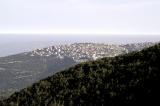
(129, 79)
(21, 70)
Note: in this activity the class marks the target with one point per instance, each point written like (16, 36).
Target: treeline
(129, 80)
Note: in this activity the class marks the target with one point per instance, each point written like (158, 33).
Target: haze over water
(12, 44)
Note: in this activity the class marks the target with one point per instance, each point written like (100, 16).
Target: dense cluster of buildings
(88, 51)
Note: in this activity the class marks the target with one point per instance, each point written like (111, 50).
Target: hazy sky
(80, 16)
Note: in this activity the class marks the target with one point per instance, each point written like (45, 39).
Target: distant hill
(127, 80)
(21, 70)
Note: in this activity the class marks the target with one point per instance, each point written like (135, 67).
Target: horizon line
(77, 32)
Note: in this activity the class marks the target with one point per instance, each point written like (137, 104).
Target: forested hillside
(22, 70)
(128, 80)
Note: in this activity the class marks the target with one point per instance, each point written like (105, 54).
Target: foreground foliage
(128, 80)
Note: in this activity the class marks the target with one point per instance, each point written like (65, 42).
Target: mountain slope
(126, 80)
(21, 70)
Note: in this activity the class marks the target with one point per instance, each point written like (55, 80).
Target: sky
(29, 24)
(128, 17)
